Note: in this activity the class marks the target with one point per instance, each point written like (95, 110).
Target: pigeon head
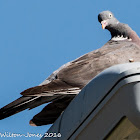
(119, 31)
(107, 19)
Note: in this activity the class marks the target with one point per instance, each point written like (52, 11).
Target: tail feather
(16, 106)
(22, 103)
(51, 112)
(57, 103)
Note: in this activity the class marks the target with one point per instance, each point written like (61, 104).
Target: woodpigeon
(64, 84)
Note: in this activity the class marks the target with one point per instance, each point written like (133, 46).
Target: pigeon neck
(122, 31)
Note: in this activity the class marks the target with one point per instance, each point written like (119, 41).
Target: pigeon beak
(104, 24)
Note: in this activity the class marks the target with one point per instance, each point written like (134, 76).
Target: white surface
(90, 97)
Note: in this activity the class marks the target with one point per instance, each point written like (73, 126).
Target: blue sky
(37, 37)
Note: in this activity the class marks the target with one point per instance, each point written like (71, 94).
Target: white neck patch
(118, 38)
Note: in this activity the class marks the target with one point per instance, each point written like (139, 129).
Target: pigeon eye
(110, 15)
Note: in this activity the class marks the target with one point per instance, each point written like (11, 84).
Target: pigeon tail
(16, 106)
(22, 103)
(51, 112)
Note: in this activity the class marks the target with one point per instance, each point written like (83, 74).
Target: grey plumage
(66, 82)
(107, 19)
